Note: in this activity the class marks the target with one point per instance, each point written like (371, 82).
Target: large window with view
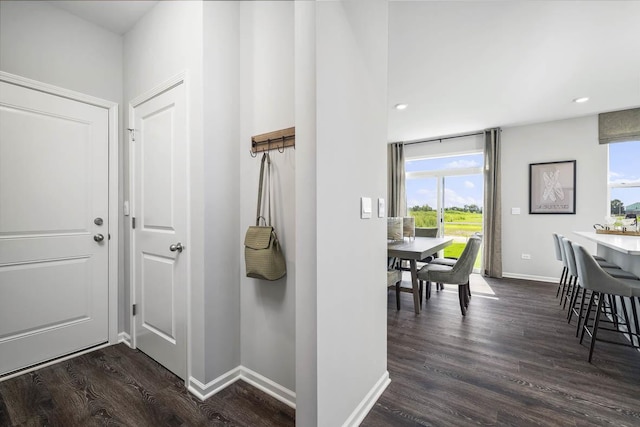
(624, 180)
(447, 193)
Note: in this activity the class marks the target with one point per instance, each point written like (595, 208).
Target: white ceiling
(113, 15)
(466, 66)
(469, 65)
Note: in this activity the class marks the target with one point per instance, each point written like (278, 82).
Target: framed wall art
(552, 187)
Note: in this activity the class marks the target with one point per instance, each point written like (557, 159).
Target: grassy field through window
(457, 224)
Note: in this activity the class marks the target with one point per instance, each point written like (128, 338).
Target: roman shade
(619, 126)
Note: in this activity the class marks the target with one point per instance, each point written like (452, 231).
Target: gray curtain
(396, 191)
(493, 204)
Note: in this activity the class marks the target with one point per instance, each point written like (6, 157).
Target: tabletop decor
(552, 187)
(409, 227)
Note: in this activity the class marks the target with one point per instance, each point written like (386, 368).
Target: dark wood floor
(512, 361)
(118, 386)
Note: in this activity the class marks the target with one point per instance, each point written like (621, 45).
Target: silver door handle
(177, 247)
(98, 238)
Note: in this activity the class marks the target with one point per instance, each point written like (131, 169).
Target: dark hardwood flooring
(117, 386)
(513, 360)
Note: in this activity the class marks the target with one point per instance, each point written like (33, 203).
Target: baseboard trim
(529, 277)
(125, 338)
(273, 389)
(361, 411)
(270, 387)
(205, 391)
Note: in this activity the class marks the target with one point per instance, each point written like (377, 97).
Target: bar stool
(565, 271)
(574, 291)
(601, 284)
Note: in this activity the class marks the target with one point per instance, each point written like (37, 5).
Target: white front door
(53, 189)
(159, 200)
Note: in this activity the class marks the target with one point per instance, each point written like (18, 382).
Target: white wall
(351, 162)
(573, 139)
(42, 42)
(267, 104)
(165, 42)
(222, 187)
(306, 219)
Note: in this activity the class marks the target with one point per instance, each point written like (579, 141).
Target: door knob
(98, 238)
(177, 247)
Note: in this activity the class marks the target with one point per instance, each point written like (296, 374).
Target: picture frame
(552, 187)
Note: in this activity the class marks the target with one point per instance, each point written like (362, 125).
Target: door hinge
(134, 309)
(133, 222)
(132, 134)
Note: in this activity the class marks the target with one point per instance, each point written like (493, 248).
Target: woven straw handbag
(262, 252)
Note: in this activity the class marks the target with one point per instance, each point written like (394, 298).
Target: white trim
(553, 280)
(53, 362)
(205, 391)
(369, 400)
(113, 163)
(273, 389)
(125, 338)
(56, 90)
(270, 387)
(168, 84)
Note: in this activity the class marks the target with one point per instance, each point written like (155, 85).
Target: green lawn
(457, 224)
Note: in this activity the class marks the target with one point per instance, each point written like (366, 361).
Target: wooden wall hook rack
(277, 140)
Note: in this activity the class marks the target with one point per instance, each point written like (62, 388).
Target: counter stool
(556, 245)
(574, 291)
(601, 285)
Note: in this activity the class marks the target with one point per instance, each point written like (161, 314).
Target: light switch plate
(365, 207)
(515, 211)
(382, 211)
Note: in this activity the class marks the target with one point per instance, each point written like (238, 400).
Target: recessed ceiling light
(401, 106)
(581, 100)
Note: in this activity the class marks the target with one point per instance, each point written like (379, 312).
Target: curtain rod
(420, 141)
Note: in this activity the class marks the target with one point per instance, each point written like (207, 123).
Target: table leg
(414, 284)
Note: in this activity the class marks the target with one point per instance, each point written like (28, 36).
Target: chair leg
(595, 328)
(420, 290)
(461, 297)
(572, 304)
(584, 294)
(562, 279)
(398, 296)
(585, 327)
(466, 294)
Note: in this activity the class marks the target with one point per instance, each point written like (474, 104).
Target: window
(448, 193)
(624, 179)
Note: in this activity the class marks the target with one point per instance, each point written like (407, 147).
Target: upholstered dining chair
(457, 274)
(594, 278)
(394, 277)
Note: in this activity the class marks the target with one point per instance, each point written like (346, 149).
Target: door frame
(112, 109)
(176, 80)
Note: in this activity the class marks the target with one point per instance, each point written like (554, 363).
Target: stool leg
(398, 296)
(562, 278)
(585, 327)
(595, 329)
(572, 304)
(634, 311)
(584, 294)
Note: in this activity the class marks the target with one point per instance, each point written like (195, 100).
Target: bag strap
(266, 157)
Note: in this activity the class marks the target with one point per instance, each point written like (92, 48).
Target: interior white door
(160, 254)
(53, 187)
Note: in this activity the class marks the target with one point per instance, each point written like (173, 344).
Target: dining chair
(394, 278)
(601, 285)
(457, 274)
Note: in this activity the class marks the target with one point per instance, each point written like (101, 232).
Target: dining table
(413, 250)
